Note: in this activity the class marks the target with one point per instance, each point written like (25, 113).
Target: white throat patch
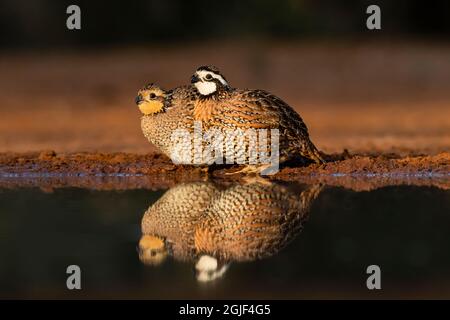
(206, 88)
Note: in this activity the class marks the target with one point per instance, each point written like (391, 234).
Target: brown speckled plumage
(253, 221)
(176, 214)
(177, 113)
(239, 223)
(232, 108)
(228, 111)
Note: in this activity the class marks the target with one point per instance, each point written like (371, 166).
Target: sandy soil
(388, 105)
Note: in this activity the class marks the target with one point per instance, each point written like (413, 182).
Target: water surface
(336, 234)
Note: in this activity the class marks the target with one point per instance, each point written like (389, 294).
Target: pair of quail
(213, 103)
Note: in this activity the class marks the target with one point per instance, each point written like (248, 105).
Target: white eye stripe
(203, 73)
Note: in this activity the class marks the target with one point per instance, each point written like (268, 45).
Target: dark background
(26, 24)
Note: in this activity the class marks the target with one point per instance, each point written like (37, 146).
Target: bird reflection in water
(212, 225)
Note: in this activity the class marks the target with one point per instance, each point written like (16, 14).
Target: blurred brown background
(368, 91)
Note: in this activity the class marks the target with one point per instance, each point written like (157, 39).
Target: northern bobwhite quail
(221, 106)
(165, 113)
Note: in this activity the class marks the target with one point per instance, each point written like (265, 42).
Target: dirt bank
(126, 170)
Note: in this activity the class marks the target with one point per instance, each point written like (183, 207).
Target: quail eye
(152, 96)
(208, 77)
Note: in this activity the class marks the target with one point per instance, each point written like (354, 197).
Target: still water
(203, 240)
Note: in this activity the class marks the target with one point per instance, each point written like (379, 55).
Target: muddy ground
(105, 170)
(71, 114)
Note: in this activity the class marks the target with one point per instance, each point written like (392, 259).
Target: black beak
(195, 79)
(138, 99)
